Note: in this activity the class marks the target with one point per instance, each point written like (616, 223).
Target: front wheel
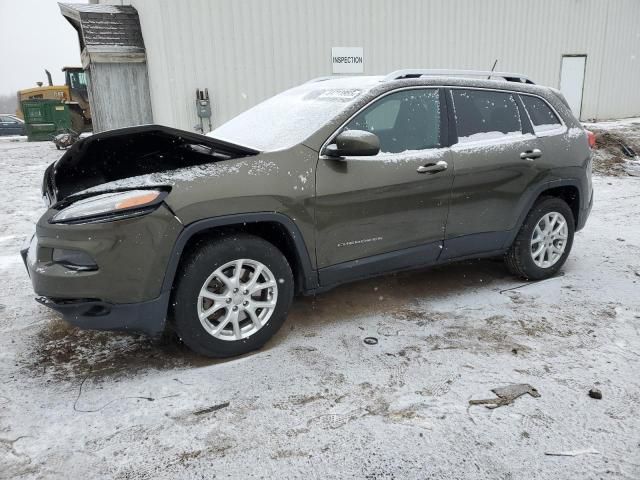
(544, 240)
(232, 296)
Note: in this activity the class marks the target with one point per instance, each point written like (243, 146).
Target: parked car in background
(11, 125)
(336, 180)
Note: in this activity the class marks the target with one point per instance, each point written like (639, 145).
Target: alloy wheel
(237, 299)
(549, 239)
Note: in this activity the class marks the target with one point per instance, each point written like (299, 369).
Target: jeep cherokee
(152, 229)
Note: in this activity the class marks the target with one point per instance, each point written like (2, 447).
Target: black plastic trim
(451, 116)
(406, 259)
(583, 214)
(445, 121)
(309, 275)
(143, 317)
(533, 195)
(525, 121)
(477, 243)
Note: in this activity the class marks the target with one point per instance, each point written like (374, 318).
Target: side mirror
(354, 143)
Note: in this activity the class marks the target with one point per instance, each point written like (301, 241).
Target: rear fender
(530, 198)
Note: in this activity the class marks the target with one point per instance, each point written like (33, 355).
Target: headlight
(110, 206)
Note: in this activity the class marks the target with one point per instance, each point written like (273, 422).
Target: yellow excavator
(73, 93)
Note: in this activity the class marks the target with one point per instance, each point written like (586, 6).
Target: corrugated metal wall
(245, 51)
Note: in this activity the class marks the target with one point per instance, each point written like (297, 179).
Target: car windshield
(292, 116)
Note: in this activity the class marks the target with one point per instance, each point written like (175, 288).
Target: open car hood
(129, 152)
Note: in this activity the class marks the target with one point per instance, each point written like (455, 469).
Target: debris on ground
(371, 340)
(506, 395)
(573, 453)
(211, 409)
(617, 147)
(595, 393)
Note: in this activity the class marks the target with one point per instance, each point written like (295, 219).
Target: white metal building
(244, 51)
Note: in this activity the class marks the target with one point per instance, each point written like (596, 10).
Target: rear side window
(542, 117)
(485, 115)
(405, 120)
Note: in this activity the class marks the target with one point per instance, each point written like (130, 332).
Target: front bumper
(142, 317)
(124, 290)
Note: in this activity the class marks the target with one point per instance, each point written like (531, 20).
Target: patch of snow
(85, 404)
(292, 116)
(13, 138)
(608, 124)
(410, 155)
(8, 260)
(170, 177)
(488, 136)
(496, 144)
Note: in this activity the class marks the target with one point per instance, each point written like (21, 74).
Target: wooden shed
(114, 59)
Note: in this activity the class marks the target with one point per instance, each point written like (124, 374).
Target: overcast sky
(34, 36)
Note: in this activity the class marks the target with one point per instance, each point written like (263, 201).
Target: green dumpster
(44, 118)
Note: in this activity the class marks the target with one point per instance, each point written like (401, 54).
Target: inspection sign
(347, 59)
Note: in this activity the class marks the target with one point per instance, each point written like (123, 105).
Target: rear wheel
(544, 241)
(232, 296)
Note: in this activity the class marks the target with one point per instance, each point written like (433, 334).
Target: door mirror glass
(354, 143)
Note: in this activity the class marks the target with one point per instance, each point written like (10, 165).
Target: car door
(389, 208)
(496, 160)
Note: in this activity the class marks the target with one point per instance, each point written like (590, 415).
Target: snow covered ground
(317, 402)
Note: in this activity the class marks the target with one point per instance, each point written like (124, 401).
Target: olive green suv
(152, 229)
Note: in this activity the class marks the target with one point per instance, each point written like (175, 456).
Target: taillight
(591, 137)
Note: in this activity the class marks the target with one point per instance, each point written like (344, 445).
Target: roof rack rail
(417, 73)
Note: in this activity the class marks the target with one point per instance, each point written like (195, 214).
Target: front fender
(308, 275)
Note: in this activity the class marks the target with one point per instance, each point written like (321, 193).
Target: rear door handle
(531, 154)
(439, 166)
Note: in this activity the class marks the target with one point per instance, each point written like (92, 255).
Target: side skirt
(414, 257)
(482, 245)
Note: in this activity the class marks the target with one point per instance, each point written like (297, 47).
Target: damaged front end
(130, 152)
(101, 250)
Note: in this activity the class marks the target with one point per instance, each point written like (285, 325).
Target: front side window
(542, 117)
(405, 120)
(485, 115)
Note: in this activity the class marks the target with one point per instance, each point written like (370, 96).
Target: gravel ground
(317, 402)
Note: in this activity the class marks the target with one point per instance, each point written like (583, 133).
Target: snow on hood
(172, 177)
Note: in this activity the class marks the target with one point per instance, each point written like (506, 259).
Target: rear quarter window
(485, 115)
(541, 115)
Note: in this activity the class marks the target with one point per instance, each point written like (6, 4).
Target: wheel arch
(568, 190)
(276, 228)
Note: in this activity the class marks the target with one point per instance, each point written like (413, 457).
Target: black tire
(194, 271)
(518, 258)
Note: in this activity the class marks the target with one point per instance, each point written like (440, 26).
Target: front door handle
(531, 154)
(439, 166)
